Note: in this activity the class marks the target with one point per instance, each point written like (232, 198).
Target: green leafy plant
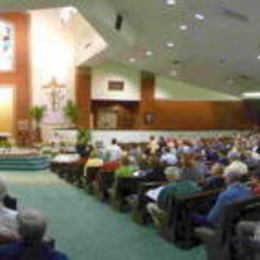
(83, 135)
(5, 144)
(37, 113)
(71, 111)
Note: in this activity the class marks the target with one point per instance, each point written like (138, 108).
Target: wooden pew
(122, 188)
(178, 225)
(103, 182)
(72, 172)
(89, 179)
(220, 242)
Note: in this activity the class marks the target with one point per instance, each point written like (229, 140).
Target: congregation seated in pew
(199, 165)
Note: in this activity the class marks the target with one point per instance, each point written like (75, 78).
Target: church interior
(129, 129)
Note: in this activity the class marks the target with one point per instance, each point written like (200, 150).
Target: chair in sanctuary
(221, 243)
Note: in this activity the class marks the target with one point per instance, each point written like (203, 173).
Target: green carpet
(87, 229)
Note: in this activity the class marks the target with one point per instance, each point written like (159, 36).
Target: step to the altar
(24, 162)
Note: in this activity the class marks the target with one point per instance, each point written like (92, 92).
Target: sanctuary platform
(22, 159)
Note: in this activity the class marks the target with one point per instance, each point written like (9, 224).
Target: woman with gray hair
(32, 226)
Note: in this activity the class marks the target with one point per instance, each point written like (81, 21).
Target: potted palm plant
(83, 137)
(71, 111)
(37, 113)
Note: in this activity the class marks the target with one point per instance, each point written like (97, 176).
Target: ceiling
(219, 52)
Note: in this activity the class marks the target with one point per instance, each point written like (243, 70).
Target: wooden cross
(55, 93)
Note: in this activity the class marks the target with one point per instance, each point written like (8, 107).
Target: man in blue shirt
(235, 191)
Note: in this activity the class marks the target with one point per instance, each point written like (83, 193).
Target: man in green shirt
(164, 195)
(126, 169)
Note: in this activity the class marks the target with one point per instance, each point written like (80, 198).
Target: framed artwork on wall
(149, 118)
(116, 85)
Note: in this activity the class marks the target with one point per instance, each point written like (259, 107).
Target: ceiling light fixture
(258, 56)
(148, 53)
(183, 27)
(170, 44)
(132, 60)
(251, 94)
(170, 2)
(199, 16)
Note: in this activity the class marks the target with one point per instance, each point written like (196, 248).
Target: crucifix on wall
(56, 94)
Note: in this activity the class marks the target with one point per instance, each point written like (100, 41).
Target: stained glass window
(7, 50)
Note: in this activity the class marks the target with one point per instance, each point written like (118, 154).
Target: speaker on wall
(119, 22)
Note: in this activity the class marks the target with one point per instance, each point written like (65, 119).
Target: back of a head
(172, 173)
(154, 162)
(125, 161)
(217, 169)
(114, 141)
(32, 226)
(167, 150)
(238, 167)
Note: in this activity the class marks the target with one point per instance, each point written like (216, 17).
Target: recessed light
(148, 53)
(183, 27)
(199, 16)
(170, 2)
(132, 60)
(173, 73)
(258, 56)
(170, 44)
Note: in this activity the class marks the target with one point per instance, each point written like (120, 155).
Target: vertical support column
(83, 95)
(147, 99)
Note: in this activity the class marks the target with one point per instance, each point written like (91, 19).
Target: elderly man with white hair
(237, 166)
(235, 191)
(164, 195)
(32, 226)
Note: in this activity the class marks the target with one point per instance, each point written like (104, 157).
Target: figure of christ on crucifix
(55, 94)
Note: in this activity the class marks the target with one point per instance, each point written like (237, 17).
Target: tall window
(7, 46)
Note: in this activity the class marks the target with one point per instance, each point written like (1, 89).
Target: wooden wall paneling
(83, 95)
